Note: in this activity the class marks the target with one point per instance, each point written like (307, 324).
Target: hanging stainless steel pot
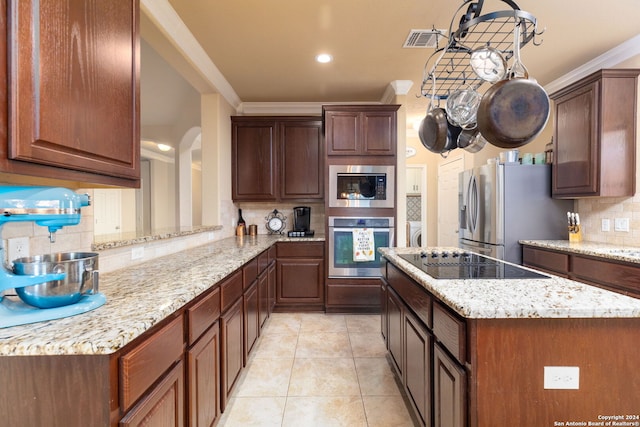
(436, 133)
(515, 110)
(471, 140)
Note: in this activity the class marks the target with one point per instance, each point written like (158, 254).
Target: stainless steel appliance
(500, 204)
(466, 265)
(341, 254)
(301, 222)
(361, 186)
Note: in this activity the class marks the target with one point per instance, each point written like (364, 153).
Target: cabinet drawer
(146, 363)
(624, 278)
(450, 331)
(416, 298)
(547, 260)
(249, 273)
(230, 290)
(203, 314)
(300, 250)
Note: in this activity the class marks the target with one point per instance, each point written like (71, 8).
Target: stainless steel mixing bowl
(81, 278)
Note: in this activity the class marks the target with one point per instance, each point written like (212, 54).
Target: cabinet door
(379, 133)
(272, 286)
(263, 297)
(301, 146)
(203, 374)
(576, 156)
(417, 366)
(300, 281)
(163, 406)
(395, 338)
(342, 132)
(73, 86)
(254, 160)
(251, 319)
(449, 391)
(231, 349)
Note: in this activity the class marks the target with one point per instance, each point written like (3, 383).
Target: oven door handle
(384, 230)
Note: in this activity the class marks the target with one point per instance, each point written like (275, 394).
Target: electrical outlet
(18, 248)
(606, 224)
(561, 377)
(137, 253)
(621, 224)
(210, 236)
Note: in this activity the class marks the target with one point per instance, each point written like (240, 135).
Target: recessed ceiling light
(164, 147)
(324, 58)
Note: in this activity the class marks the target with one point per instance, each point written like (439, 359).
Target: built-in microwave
(361, 186)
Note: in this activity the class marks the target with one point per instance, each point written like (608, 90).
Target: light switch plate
(137, 253)
(606, 224)
(561, 377)
(621, 224)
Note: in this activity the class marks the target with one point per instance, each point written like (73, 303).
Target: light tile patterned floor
(314, 369)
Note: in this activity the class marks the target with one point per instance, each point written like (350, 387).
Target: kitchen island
(504, 352)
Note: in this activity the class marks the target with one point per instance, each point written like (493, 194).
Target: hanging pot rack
(449, 68)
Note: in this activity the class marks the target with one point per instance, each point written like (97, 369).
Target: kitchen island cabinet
(493, 339)
(84, 128)
(594, 264)
(595, 136)
(277, 159)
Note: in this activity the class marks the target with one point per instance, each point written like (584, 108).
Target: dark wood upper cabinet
(353, 130)
(595, 136)
(277, 158)
(73, 90)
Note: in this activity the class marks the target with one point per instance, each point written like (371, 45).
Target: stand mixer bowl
(81, 278)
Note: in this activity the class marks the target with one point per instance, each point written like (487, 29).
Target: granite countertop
(602, 250)
(554, 297)
(138, 298)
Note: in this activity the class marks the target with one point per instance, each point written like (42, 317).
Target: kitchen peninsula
(502, 352)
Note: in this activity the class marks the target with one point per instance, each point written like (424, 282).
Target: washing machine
(415, 234)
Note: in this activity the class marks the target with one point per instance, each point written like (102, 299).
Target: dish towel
(363, 245)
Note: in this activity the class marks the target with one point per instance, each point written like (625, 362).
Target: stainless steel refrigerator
(500, 204)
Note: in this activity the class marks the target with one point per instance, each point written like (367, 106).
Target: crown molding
(609, 59)
(168, 21)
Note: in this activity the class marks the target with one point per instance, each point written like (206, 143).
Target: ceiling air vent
(423, 38)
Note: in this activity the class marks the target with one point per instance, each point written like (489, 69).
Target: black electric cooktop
(467, 265)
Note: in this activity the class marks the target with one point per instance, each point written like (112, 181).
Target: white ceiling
(265, 49)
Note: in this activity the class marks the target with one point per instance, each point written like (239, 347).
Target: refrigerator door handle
(472, 212)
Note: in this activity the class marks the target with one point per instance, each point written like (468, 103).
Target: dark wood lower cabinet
(231, 346)
(300, 275)
(203, 375)
(395, 342)
(251, 319)
(163, 406)
(417, 366)
(614, 275)
(449, 391)
(263, 296)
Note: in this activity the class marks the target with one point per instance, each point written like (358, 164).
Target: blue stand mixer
(54, 208)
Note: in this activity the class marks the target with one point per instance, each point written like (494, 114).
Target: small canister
(253, 230)
(240, 230)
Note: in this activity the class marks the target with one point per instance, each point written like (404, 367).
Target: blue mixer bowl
(80, 270)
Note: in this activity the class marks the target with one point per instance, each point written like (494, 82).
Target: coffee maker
(301, 222)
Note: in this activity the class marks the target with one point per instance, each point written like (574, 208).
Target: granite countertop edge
(138, 298)
(553, 297)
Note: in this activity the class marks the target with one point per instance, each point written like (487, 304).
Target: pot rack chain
(449, 68)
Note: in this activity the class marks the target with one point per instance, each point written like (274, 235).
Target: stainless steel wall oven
(342, 262)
